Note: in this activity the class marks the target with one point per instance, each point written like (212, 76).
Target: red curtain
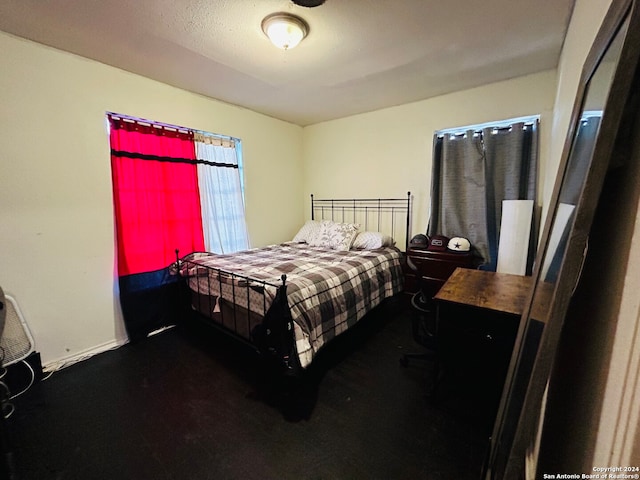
(156, 199)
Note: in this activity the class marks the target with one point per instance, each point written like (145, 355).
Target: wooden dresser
(434, 268)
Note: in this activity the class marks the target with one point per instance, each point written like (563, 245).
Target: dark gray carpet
(189, 403)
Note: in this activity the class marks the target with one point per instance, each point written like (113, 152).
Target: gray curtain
(472, 174)
(579, 160)
(573, 182)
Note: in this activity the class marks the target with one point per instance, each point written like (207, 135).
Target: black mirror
(596, 138)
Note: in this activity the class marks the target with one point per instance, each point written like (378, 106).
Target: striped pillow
(372, 240)
(308, 232)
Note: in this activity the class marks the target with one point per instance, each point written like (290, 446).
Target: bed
(289, 300)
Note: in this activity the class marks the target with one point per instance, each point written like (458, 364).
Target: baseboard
(67, 361)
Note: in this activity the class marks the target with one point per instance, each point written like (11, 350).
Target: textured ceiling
(360, 55)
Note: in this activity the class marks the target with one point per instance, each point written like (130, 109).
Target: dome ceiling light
(284, 29)
(308, 3)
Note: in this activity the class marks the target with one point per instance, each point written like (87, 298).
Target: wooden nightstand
(434, 268)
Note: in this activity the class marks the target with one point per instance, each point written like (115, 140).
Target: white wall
(388, 152)
(56, 217)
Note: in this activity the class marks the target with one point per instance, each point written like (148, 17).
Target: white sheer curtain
(221, 198)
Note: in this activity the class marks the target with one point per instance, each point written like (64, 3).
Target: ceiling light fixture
(308, 3)
(285, 30)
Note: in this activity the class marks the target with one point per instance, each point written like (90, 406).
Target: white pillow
(308, 232)
(372, 240)
(337, 236)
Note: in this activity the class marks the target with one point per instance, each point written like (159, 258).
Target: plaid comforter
(328, 291)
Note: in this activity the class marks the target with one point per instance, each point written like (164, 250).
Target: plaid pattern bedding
(328, 291)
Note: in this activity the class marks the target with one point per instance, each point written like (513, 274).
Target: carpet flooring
(190, 403)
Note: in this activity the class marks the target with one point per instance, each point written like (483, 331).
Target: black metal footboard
(254, 311)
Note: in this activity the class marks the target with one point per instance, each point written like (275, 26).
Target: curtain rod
(168, 126)
(528, 120)
(148, 123)
(592, 113)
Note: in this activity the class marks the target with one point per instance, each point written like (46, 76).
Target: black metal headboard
(386, 215)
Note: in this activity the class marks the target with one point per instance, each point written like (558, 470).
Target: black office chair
(424, 328)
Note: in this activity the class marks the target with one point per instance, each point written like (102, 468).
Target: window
(167, 179)
(174, 189)
(474, 170)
